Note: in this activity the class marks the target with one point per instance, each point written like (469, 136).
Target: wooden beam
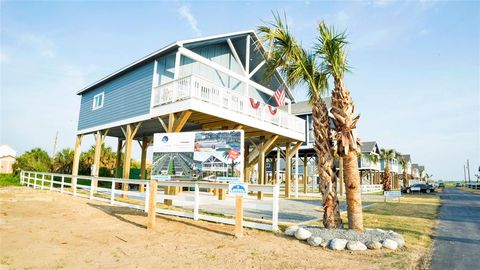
(239, 216)
(181, 121)
(163, 124)
(127, 159)
(96, 158)
(118, 161)
(305, 174)
(235, 55)
(295, 148)
(171, 122)
(270, 144)
(143, 160)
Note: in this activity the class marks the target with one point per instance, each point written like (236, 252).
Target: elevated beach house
(209, 83)
(369, 163)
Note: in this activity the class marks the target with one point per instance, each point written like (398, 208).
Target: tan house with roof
(7, 158)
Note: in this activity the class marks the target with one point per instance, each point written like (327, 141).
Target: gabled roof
(406, 158)
(175, 45)
(304, 107)
(368, 147)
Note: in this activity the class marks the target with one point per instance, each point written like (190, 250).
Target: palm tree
(233, 164)
(63, 161)
(387, 155)
(300, 67)
(373, 159)
(330, 48)
(420, 173)
(403, 163)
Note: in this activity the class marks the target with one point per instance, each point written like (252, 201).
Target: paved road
(457, 245)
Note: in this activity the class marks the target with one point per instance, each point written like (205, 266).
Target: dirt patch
(49, 230)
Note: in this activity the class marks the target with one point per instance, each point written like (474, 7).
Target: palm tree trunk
(326, 165)
(348, 144)
(354, 197)
(387, 186)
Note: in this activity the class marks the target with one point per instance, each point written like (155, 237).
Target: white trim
(95, 99)
(255, 70)
(154, 82)
(194, 56)
(235, 55)
(247, 54)
(115, 124)
(181, 43)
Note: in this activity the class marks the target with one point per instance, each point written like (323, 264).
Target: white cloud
(44, 46)
(186, 14)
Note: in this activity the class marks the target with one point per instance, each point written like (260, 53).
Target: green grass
(475, 191)
(9, 180)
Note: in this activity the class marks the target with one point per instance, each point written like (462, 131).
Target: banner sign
(203, 155)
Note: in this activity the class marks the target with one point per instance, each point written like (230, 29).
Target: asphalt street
(457, 244)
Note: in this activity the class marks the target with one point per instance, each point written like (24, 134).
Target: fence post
(43, 181)
(34, 180)
(112, 193)
(51, 181)
(61, 185)
(147, 197)
(152, 204)
(196, 204)
(275, 207)
(91, 188)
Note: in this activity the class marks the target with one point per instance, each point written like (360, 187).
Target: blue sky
(415, 76)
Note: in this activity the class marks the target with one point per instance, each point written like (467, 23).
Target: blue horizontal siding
(125, 97)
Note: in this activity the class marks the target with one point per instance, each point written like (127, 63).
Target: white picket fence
(187, 204)
(473, 185)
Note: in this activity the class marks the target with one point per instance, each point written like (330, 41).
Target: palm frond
(331, 48)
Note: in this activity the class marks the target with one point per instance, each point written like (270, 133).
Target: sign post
(240, 190)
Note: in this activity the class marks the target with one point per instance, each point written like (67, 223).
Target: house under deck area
(213, 83)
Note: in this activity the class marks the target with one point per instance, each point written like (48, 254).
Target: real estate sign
(203, 155)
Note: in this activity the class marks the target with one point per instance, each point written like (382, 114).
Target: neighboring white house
(7, 158)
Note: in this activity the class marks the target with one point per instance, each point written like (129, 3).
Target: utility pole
(464, 174)
(468, 170)
(55, 145)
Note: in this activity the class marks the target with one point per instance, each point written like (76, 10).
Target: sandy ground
(49, 230)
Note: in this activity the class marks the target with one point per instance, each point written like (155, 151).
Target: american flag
(279, 96)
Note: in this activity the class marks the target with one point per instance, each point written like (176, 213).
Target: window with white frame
(98, 101)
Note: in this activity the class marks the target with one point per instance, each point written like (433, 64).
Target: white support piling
(62, 184)
(51, 181)
(275, 206)
(43, 181)
(91, 188)
(196, 205)
(112, 193)
(147, 197)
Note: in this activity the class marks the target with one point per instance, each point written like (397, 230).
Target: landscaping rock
(324, 244)
(290, 231)
(356, 245)
(397, 238)
(374, 245)
(314, 241)
(302, 234)
(338, 244)
(390, 244)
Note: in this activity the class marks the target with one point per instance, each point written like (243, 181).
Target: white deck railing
(191, 202)
(198, 88)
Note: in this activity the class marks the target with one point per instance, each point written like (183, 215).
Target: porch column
(129, 135)
(118, 162)
(296, 174)
(261, 165)
(288, 167)
(305, 174)
(143, 160)
(76, 161)
(274, 169)
(246, 169)
(99, 139)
